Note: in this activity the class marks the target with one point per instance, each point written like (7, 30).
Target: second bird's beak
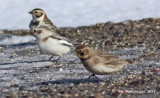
(30, 12)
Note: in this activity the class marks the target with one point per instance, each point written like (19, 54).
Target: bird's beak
(30, 12)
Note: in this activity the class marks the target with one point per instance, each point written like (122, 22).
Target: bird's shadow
(71, 81)
(19, 45)
(33, 61)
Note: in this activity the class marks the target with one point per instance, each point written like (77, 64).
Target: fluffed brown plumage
(99, 62)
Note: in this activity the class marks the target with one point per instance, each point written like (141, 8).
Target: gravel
(137, 40)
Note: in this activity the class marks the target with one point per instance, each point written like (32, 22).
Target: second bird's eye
(81, 53)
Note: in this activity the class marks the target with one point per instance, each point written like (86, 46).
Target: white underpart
(44, 34)
(102, 69)
(53, 47)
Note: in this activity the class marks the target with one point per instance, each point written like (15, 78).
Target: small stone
(76, 95)
(1, 48)
(92, 95)
(102, 83)
(55, 90)
(14, 85)
(1, 32)
(98, 25)
(13, 95)
(103, 92)
(80, 84)
(60, 69)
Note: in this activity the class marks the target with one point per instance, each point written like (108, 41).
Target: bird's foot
(50, 58)
(56, 61)
(93, 76)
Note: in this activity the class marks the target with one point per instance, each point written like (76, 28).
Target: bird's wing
(51, 27)
(56, 31)
(59, 37)
(111, 60)
(106, 55)
(64, 41)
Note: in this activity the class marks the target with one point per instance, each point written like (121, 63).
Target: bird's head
(84, 52)
(38, 14)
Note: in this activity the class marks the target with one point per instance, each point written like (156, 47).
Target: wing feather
(111, 60)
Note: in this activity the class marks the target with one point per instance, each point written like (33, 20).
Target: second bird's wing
(111, 60)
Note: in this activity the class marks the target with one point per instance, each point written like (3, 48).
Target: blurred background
(72, 13)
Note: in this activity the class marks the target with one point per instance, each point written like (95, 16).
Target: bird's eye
(81, 53)
(36, 12)
(34, 31)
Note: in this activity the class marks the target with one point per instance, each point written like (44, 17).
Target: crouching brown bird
(99, 62)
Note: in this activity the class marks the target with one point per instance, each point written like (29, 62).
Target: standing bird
(98, 62)
(52, 44)
(40, 19)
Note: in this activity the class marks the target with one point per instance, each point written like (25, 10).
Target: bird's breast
(52, 47)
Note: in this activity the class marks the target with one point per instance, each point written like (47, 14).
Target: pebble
(1, 47)
(1, 32)
(105, 36)
(60, 69)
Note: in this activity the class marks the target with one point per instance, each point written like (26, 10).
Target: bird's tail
(132, 62)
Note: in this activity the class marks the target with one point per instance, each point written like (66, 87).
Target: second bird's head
(38, 14)
(84, 52)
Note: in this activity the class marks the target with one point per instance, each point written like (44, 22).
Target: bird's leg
(50, 58)
(94, 76)
(57, 60)
(91, 75)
